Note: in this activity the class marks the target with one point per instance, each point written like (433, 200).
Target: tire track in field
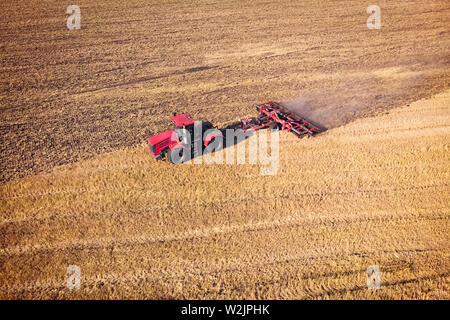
(228, 200)
(92, 190)
(147, 78)
(330, 292)
(291, 221)
(181, 269)
(119, 167)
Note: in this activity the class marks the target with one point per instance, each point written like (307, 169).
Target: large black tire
(178, 155)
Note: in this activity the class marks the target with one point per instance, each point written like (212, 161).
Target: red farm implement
(274, 116)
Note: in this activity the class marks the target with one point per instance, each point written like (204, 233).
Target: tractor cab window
(182, 136)
(189, 128)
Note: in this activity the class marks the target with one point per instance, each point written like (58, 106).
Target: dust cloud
(339, 102)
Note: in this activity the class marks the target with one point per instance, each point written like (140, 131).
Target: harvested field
(373, 192)
(68, 95)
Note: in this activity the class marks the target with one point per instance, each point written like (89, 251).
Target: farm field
(78, 185)
(373, 192)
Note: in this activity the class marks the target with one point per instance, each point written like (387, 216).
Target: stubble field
(80, 188)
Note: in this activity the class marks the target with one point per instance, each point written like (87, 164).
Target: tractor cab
(173, 141)
(182, 120)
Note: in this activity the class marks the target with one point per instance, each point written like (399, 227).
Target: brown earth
(69, 95)
(373, 192)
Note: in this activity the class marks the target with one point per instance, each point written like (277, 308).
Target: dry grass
(374, 192)
(70, 95)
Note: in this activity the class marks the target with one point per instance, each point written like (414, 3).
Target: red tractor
(174, 143)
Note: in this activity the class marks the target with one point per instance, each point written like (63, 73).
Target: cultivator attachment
(274, 116)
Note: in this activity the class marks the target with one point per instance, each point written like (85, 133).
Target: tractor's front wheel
(178, 155)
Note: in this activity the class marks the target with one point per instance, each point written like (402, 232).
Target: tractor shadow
(238, 136)
(228, 141)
